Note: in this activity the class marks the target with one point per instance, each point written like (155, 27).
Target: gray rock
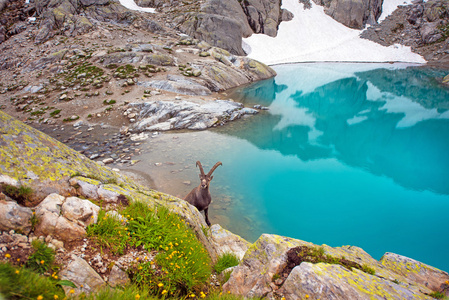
(76, 209)
(354, 13)
(227, 242)
(179, 85)
(5, 179)
(82, 275)
(430, 32)
(118, 277)
(167, 115)
(85, 187)
(325, 281)
(15, 217)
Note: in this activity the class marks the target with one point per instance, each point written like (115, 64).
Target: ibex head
(207, 178)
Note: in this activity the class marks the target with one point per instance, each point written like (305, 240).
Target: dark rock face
(353, 13)
(424, 26)
(224, 23)
(217, 30)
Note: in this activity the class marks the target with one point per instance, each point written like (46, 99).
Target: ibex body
(200, 196)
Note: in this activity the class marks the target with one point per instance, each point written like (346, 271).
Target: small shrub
(22, 283)
(21, 194)
(437, 295)
(42, 258)
(225, 261)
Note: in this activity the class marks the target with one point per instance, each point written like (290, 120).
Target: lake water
(347, 154)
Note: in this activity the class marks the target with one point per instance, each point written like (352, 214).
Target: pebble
(108, 160)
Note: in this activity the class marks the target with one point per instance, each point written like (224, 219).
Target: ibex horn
(214, 167)
(198, 164)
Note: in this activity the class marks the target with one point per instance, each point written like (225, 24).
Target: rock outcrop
(224, 23)
(199, 115)
(268, 269)
(353, 13)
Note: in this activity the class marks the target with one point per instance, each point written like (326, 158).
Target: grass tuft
(42, 258)
(225, 261)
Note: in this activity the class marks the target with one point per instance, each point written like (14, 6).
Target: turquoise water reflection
(347, 154)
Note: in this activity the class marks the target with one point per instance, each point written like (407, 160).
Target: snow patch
(389, 6)
(313, 36)
(130, 4)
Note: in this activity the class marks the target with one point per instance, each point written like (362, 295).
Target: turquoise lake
(347, 154)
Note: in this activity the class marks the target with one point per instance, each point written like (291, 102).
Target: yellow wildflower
(17, 271)
(7, 255)
(55, 297)
(137, 297)
(72, 291)
(40, 297)
(18, 259)
(160, 284)
(164, 292)
(140, 268)
(42, 262)
(283, 298)
(192, 295)
(307, 296)
(229, 292)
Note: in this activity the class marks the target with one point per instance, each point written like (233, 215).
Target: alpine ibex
(200, 196)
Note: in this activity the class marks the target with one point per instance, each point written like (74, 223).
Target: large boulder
(15, 217)
(52, 219)
(326, 281)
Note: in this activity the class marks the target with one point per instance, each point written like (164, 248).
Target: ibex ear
(212, 177)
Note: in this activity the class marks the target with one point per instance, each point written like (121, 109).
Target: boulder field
(68, 189)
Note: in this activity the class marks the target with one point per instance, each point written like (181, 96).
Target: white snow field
(313, 36)
(130, 4)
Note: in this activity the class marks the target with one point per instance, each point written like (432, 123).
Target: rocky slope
(86, 62)
(424, 26)
(65, 185)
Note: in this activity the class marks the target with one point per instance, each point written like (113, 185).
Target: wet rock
(14, 217)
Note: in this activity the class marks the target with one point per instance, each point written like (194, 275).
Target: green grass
(183, 263)
(42, 258)
(109, 232)
(437, 295)
(22, 283)
(225, 261)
